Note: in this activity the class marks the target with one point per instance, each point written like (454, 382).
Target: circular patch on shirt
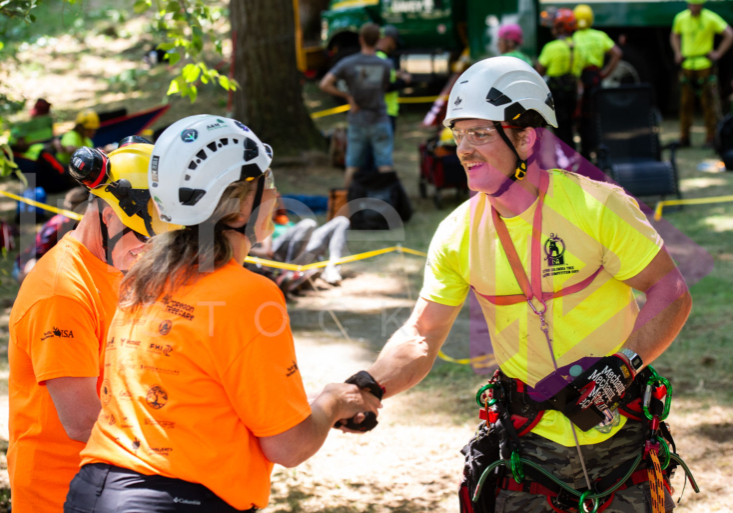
(576, 370)
(106, 392)
(156, 397)
(165, 327)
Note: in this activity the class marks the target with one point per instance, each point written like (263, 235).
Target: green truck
(436, 32)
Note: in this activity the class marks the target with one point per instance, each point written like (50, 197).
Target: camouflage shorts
(600, 459)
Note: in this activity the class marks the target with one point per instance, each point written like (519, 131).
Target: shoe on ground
(684, 142)
(332, 276)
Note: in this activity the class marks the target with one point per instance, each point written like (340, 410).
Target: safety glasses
(476, 136)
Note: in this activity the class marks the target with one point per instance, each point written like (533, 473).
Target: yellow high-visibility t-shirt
(697, 34)
(560, 58)
(592, 45)
(75, 139)
(586, 225)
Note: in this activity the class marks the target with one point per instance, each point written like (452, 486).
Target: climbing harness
(509, 413)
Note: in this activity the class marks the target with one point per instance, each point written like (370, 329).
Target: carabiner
(583, 498)
(480, 393)
(655, 380)
(542, 302)
(517, 468)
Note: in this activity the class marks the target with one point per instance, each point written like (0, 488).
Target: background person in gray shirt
(367, 78)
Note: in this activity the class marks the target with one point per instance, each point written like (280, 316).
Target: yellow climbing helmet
(121, 179)
(88, 119)
(584, 16)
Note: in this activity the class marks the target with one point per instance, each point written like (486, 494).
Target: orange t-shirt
(57, 328)
(194, 379)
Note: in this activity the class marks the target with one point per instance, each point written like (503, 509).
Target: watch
(634, 359)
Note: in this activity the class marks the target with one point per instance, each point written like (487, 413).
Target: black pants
(591, 79)
(102, 488)
(564, 91)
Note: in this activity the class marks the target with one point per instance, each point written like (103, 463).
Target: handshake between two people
(358, 400)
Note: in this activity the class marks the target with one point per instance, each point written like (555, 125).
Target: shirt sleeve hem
(642, 265)
(441, 300)
(43, 377)
(290, 423)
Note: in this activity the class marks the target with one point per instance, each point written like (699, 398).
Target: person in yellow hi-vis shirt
(552, 258)
(562, 65)
(594, 45)
(692, 38)
(87, 123)
(386, 46)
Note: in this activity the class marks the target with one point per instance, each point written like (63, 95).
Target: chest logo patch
(554, 250)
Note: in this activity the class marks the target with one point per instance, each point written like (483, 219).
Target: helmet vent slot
(211, 146)
(192, 166)
(250, 149)
(497, 98)
(224, 141)
(201, 155)
(190, 196)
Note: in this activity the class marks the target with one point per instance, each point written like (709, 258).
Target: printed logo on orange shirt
(56, 332)
(292, 369)
(106, 392)
(165, 327)
(164, 349)
(156, 397)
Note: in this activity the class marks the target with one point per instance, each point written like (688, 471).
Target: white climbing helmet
(196, 159)
(499, 89)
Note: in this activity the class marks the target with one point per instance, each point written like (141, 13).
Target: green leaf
(141, 6)
(166, 46)
(173, 57)
(193, 93)
(224, 82)
(191, 72)
(173, 88)
(2, 45)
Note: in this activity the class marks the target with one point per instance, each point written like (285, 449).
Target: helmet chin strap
(248, 228)
(520, 170)
(108, 244)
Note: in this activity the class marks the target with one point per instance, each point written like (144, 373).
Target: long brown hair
(175, 259)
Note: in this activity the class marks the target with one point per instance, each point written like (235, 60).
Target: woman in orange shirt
(202, 392)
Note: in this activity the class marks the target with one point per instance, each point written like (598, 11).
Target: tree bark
(270, 97)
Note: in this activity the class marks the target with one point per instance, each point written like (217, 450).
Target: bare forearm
(313, 431)
(651, 338)
(725, 44)
(674, 40)
(333, 90)
(405, 360)
(616, 55)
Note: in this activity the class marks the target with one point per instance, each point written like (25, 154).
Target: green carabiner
(667, 452)
(654, 380)
(583, 498)
(481, 391)
(517, 468)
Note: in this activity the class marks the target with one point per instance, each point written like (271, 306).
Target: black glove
(598, 390)
(363, 379)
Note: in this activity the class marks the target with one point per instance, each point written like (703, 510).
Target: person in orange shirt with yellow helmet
(59, 323)
(203, 393)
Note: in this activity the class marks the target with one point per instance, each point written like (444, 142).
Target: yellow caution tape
(407, 99)
(694, 201)
(345, 260)
(63, 212)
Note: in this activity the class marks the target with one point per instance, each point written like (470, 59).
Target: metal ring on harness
(584, 497)
(480, 393)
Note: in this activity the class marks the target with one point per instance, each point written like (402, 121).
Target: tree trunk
(270, 97)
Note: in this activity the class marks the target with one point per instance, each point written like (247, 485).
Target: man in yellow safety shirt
(562, 65)
(594, 46)
(552, 258)
(692, 37)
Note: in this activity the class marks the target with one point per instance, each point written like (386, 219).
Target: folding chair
(629, 150)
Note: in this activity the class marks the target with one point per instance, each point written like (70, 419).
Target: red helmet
(512, 32)
(565, 21)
